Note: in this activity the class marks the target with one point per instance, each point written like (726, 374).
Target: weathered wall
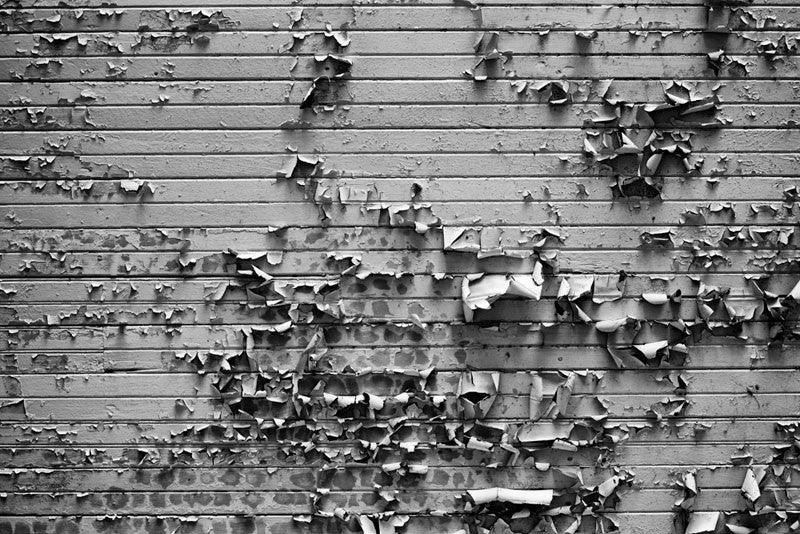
(242, 250)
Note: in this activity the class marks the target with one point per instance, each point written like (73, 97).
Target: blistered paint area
(379, 267)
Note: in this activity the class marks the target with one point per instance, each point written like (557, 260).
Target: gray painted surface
(329, 266)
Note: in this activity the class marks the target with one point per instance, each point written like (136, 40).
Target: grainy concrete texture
(399, 267)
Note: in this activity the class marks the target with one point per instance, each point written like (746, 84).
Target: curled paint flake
(479, 291)
(477, 392)
(636, 134)
(720, 60)
(489, 495)
(418, 216)
(340, 36)
(487, 49)
(558, 92)
(587, 35)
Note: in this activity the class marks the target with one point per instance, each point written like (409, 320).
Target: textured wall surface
(387, 267)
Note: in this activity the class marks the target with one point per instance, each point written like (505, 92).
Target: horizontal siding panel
(538, 213)
(511, 383)
(152, 290)
(547, 358)
(212, 240)
(229, 337)
(368, 117)
(715, 442)
(632, 454)
(272, 524)
(456, 91)
(740, 190)
(190, 503)
(350, 479)
(257, 312)
(420, 358)
(414, 140)
(719, 164)
(169, 68)
(651, 18)
(505, 408)
(244, 43)
(383, 262)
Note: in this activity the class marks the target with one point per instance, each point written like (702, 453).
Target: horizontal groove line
(376, 103)
(740, 33)
(291, 516)
(787, 153)
(354, 297)
(533, 31)
(356, 55)
(406, 250)
(395, 4)
(449, 55)
(376, 466)
(237, 226)
(368, 320)
(505, 177)
(155, 443)
(25, 425)
(384, 127)
(433, 446)
(654, 202)
(344, 346)
(108, 304)
(380, 106)
(319, 277)
(626, 445)
(299, 274)
(630, 443)
(370, 4)
(68, 277)
(113, 82)
(194, 422)
(411, 513)
(388, 153)
(186, 394)
(309, 127)
(39, 79)
(451, 370)
(141, 203)
(197, 396)
(666, 486)
(620, 203)
(369, 81)
(189, 395)
(786, 347)
(216, 277)
(389, 128)
(361, 6)
(787, 181)
(355, 465)
(690, 369)
(392, 4)
(479, 324)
